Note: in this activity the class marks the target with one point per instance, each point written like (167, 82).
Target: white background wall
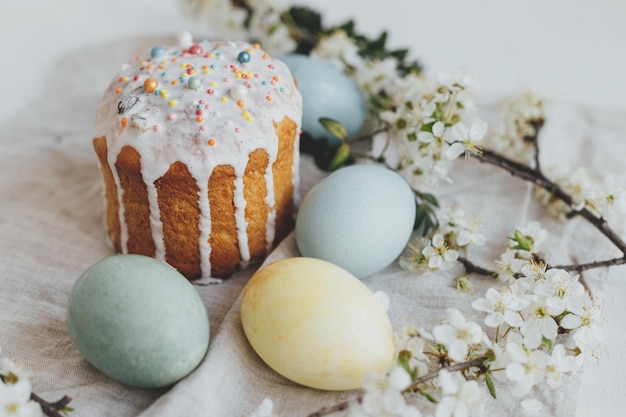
(571, 49)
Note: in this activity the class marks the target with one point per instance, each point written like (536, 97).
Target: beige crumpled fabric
(51, 230)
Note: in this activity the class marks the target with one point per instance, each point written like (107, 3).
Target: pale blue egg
(359, 218)
(138, 320)
(326, 92)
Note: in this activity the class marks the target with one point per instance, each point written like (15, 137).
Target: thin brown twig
(471, 267)
(342, 406)
(536, 177)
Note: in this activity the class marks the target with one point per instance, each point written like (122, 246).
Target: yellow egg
(316, 324)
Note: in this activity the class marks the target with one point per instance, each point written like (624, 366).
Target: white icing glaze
(176, 122)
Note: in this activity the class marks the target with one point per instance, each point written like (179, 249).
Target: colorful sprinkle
(172, 103)
(247, 116)
(199, 119)
(237, 130)
(123, 126)
(224, 99)
(117, 90)
(212, 142)
(156, 128)
(171, 116)
(194, 83)
(268, 98)
(150, 85)
(240, 103)
(136, 77)
(209, 91)
(203, 128)
(238, 92)
(196, 49)
(243, 56)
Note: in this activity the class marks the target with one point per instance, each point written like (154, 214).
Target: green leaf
(421, 213)
(341, 156)
(348, 27)
(523, 243)
(306, 18)
(379, 43)
(428, 127)
(548, 343)
(429, 396)
(490, 384)
(431, 199)
(334, 127)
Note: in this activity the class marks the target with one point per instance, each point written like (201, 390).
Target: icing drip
(201, 106)
(156, 225)
(120, 191)
(240, 221)
(205, 227)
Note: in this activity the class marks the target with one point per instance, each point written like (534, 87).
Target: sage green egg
(138, 320)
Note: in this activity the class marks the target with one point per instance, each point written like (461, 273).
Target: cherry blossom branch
(51, 409)
(477, 362)
(535, 176)
(471, 267)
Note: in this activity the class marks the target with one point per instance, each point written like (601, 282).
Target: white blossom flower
(521, 116)
(509, 264)
(461, 398)
(13, 371)
(458, 335)
(531, 405)
(588, 331)
(265, 409)
(374, 76)
(267, 27)
(339, 50)
(459, 228)
(412, 258)
(538, 324)
(439, 255)
(464, 140)
(502, 306)
(562, 292)
(534, 271)
(221, 16)
(527, 367)
(412, 340)
(438, 132)
(15, 400)
(383, 396)
(535, 235)
(559, 366)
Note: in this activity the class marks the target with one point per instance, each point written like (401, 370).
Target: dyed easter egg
(326, 92)
(138, 320)
(316, 324)
(360, 218)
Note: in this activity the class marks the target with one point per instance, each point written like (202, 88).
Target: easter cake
(198, 147)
